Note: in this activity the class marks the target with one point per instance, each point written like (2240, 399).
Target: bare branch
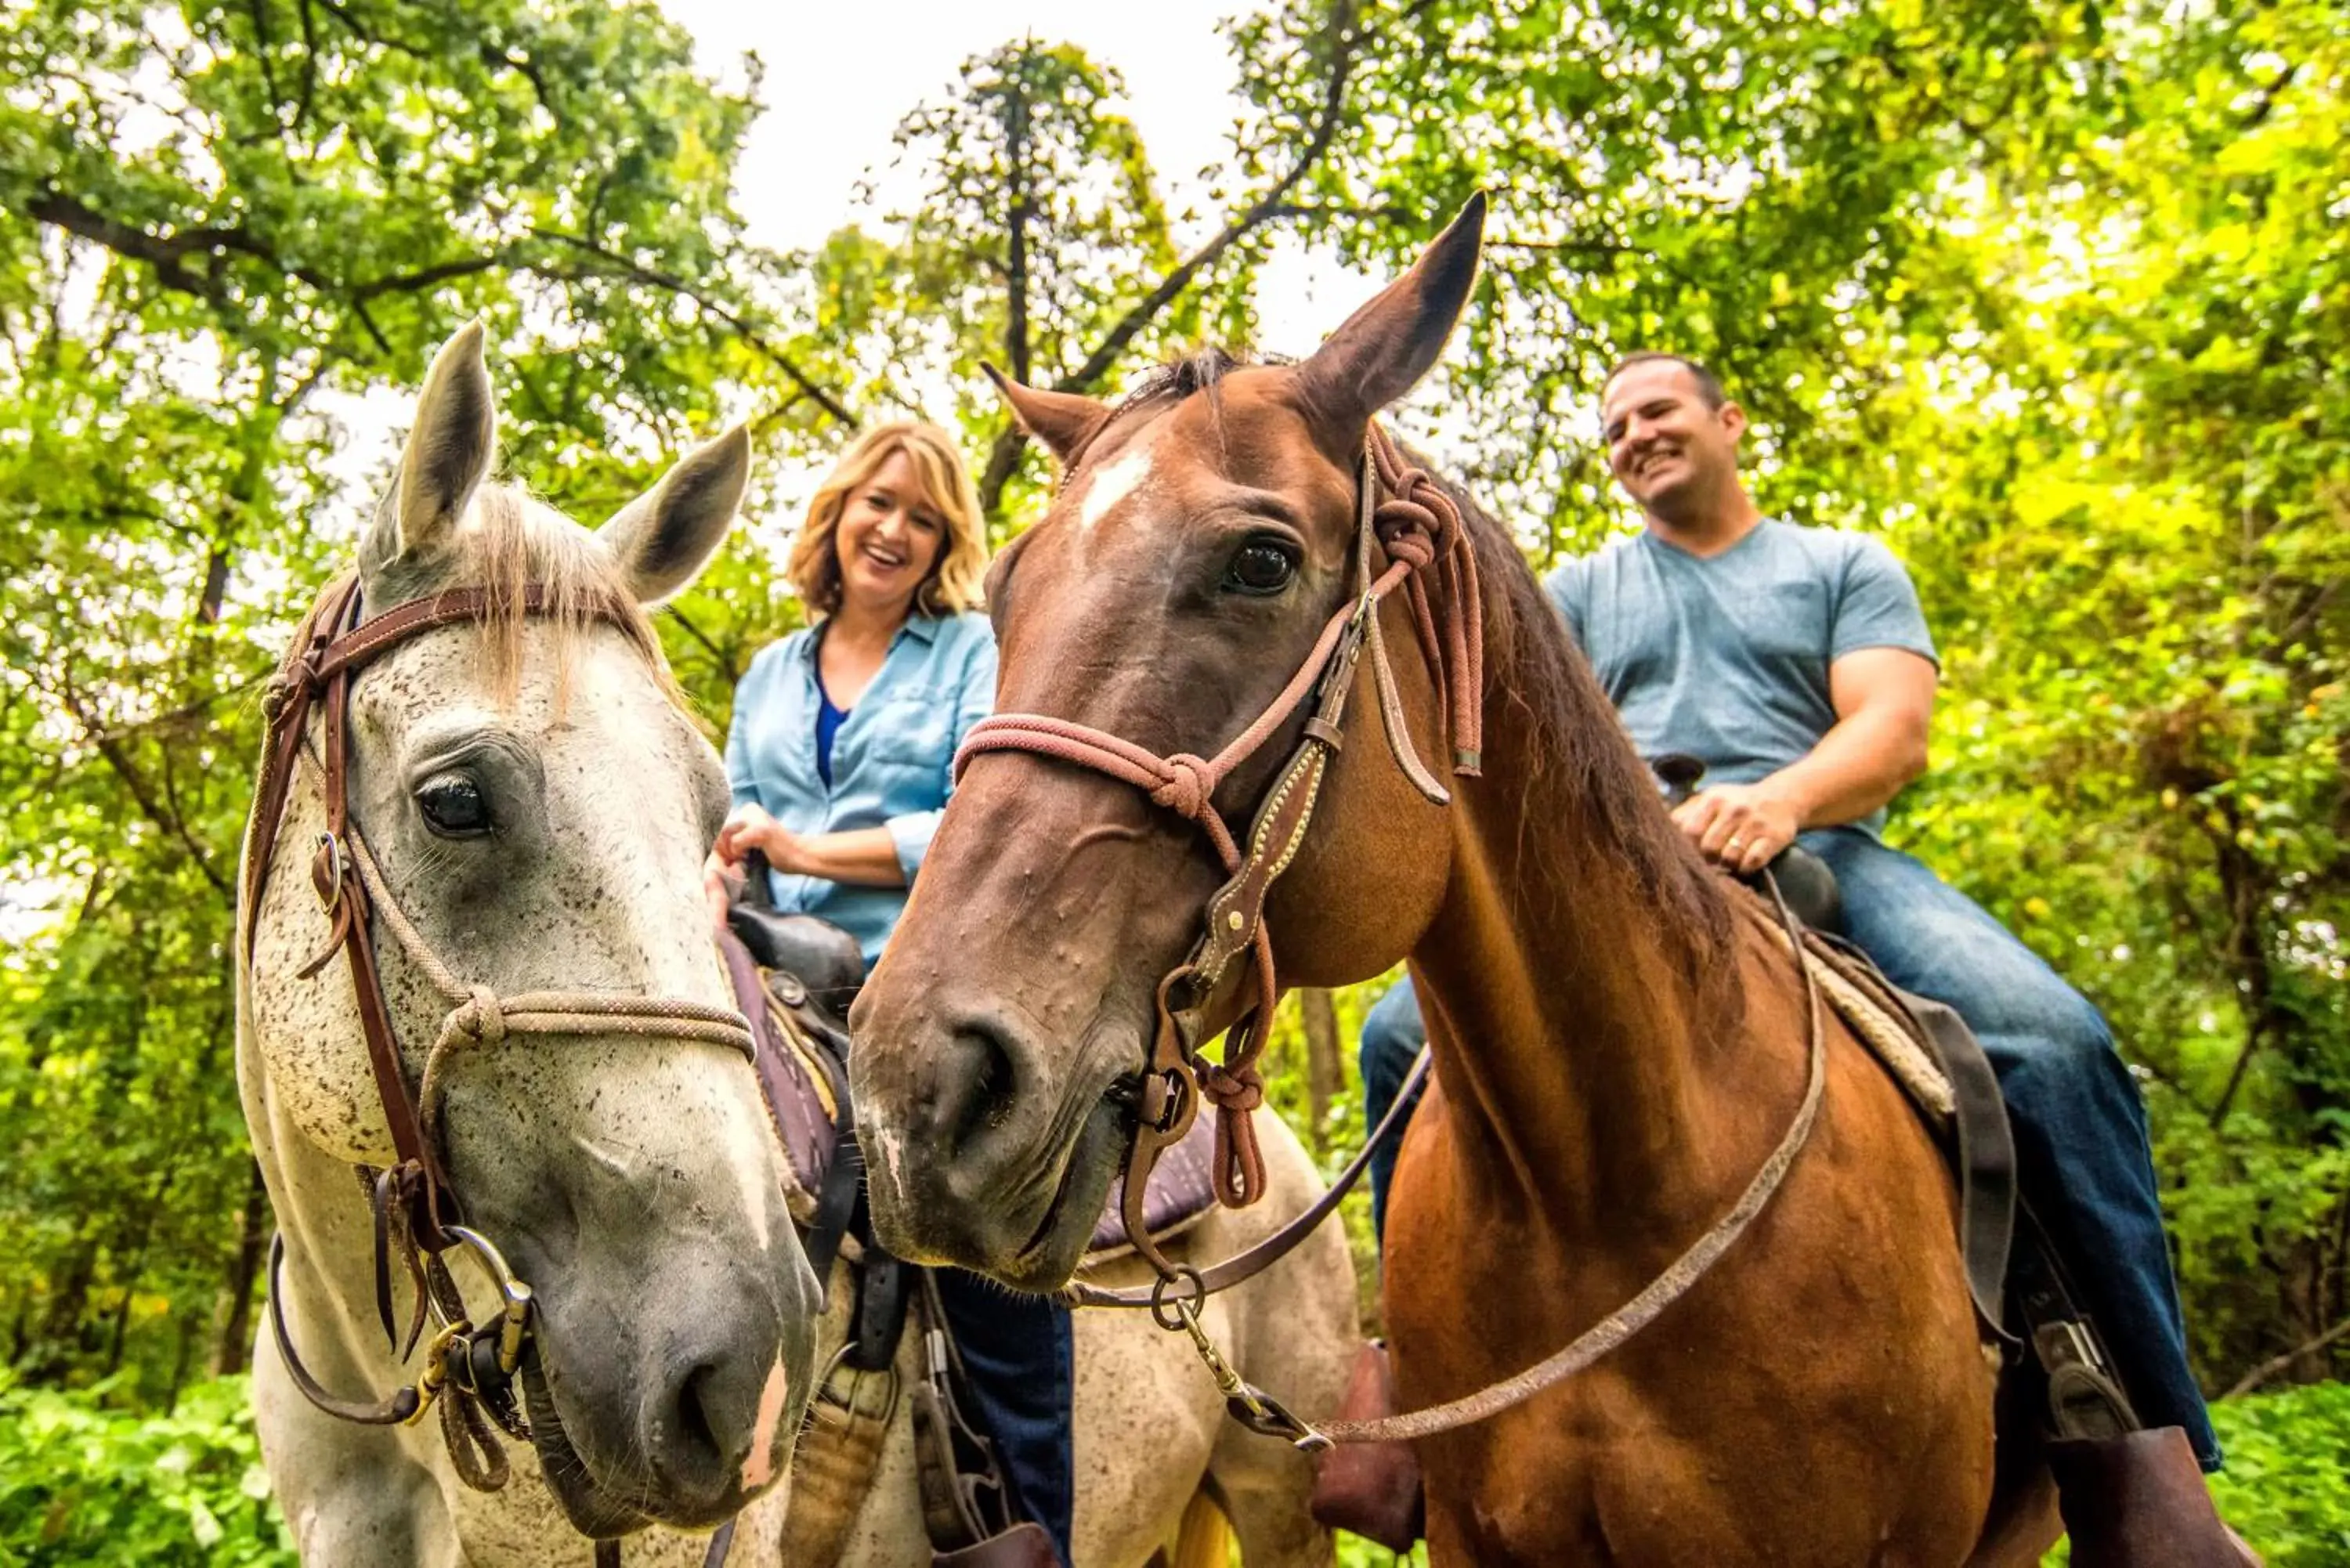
(169, 256)
(744, 329)
(119, 758)
(2276, 1363)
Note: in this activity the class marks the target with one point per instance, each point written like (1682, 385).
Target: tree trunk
(1326, 1065)
(235, 1347)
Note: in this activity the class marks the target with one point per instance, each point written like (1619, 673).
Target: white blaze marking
(760, 1466)
(1114, 485)
(756, 1195)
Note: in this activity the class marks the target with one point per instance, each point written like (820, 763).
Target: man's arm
(1884, 698)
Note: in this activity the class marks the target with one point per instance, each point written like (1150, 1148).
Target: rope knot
(1237, 1089)
(1411, 531)
(1186, 787)
(482, 1017)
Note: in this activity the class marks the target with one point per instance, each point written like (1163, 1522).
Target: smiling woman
(837, 755)
(841, 760)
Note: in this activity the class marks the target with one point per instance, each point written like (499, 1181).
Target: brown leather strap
(398, 1406)
(1254, 1261)
(1667, 1288)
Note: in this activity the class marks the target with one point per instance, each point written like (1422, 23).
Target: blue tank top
(827, 725)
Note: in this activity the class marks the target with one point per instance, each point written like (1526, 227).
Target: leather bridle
(1421, 529)
(469, 1369)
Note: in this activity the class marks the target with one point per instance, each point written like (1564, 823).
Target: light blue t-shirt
(1726, 657)
(892, 755)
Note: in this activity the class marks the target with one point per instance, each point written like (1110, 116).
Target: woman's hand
(720, 879)
(752, 828)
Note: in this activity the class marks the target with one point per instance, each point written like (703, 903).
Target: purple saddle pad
(792, 1060)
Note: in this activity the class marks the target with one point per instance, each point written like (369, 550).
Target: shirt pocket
(1784, 619)
(911, 730)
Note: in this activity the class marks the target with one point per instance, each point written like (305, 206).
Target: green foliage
(217, 225)
(2287, 1485)
(2053, 294)
(88, 1485)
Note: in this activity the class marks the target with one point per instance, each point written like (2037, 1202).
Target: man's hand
(1740, 826)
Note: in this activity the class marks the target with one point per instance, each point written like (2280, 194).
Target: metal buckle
(515, 1297)
(338, 865)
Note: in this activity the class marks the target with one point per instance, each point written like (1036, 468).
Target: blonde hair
(957, 580)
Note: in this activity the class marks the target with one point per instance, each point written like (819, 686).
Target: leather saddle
(793, 976)
(2015, 1270)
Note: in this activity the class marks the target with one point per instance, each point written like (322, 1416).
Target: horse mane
(1533, 666)
(510, 541)
(1585, 765)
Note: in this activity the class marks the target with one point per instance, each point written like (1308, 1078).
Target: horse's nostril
(697, 1444)
(696, 1432)
(972, 1090)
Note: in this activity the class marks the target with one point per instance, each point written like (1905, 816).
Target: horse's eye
(1262, 566)
(454, 806)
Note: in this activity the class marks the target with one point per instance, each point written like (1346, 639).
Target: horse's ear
(663, 538)
(447, 456)
(1062, 421)
(1378, 352)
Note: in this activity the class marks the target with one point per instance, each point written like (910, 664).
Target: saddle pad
(802, 1099)
(1937, 1062)
(1181, 1191)
(1891, 1038)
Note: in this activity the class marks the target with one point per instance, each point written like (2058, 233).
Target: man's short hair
(1709, 385)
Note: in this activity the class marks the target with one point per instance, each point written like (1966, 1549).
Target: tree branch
(724, 660)
(1003, 456)
(118, 757)
(2276, 1363)
(678, 285)
(168, 254)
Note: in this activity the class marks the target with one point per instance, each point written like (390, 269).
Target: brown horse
(1619, 1040)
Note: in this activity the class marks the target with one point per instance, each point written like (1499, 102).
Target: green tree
(217, 225)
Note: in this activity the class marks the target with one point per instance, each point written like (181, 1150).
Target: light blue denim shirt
(891, 760)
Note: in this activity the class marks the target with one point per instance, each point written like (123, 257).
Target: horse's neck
(1578, 1052)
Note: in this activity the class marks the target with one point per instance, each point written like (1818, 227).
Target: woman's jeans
(1018, 1352)
(2080, 1126)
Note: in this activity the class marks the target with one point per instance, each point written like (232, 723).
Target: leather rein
(1420, 531)
(469, 1369)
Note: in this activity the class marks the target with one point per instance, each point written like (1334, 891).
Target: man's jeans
(1020, 1352)
(2080, 1126)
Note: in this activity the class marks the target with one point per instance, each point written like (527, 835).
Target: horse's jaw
(1026, 1222)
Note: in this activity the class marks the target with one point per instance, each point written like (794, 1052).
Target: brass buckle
(1246, 1402)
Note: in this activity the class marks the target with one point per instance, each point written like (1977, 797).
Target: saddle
(795, 976)
(1929, 1051)
(802, 1069)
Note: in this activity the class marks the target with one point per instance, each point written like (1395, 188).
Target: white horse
(538, 802)
(1152, 1435)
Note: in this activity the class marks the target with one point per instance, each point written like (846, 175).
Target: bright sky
(839, 77)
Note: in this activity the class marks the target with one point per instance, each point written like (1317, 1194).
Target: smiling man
(1794, 663)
